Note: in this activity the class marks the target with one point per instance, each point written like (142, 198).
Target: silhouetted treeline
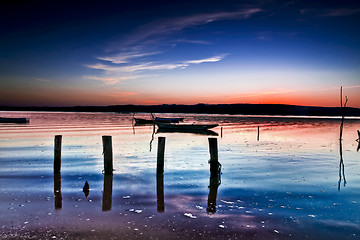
(251, 109)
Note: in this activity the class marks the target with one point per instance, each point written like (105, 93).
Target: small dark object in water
(14, 120)
(86, 189)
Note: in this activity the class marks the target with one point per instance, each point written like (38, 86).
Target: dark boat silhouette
(183, 127)
(14, 120)
(200, 132)
(157, 119)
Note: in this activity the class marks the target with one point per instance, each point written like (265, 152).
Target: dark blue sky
(144, 52)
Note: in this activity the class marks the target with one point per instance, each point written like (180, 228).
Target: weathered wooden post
(108, 155)
(221, 132)
(258, 136)
(57, 154)
(214, 163)
(160, 156)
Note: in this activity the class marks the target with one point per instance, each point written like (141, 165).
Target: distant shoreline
(246, 109)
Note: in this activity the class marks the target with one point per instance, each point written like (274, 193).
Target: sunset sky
(66, 53)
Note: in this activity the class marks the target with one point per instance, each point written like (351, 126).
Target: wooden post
(57, 154)
(108, 155)
(160, 156)
(258, 136)
(214, 164)
(221, 132)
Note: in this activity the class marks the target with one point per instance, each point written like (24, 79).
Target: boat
(169, 120)
(14, 120)
(192, 127)
(143, 121)
(157, 119)
(199, 132)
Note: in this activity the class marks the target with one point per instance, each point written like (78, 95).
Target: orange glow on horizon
(103, 97)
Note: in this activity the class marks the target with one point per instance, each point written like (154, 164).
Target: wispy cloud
(202, 42)
(125, 57)
(134, 55)
(110, 80)
(334, 12)
(124, 94)
(150, 66)
(340, 12)
(212, 59)
(169, 26)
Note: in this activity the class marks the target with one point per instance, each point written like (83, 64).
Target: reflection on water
(199, 132)
(107, 192)
(213, 189)
(86, 189)
(152, 137)
(268, 190)
(341, 167)
(160, 192)
(57, 191)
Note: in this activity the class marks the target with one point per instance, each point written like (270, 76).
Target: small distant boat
(198, 132)
(14, 120)
(169, 120)
(143, 121)
(157, 119)
(189, 127)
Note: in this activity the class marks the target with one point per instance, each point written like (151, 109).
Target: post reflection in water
(214, 185)
(107, 193)
(160, 192)
(57, 191)
(341, 168)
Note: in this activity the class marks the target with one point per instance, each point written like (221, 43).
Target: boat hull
(14, 120)
(161, 120)
(190, 127)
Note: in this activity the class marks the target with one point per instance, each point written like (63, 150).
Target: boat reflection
(57, 191)
(160, 192)
(200, 132)
(107, 193)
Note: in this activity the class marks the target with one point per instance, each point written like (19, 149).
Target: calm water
(288, 185)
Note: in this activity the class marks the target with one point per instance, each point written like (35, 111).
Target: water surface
(289, 184)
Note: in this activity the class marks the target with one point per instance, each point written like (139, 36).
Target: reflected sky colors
(183, 52)
(286, 184)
